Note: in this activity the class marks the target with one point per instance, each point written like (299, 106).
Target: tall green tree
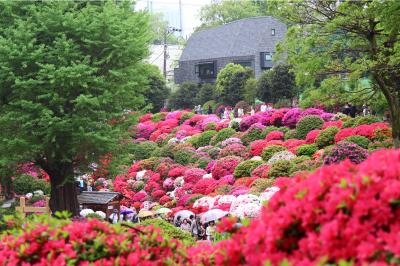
(222, 12)
(156, 91)
(205, 94)
(231, 83)
(353, 39)
(277, 84)
(185, 96)
(67, 68)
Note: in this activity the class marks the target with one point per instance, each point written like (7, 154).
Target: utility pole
(168, 31)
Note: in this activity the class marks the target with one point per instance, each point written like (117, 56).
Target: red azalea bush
(205, 186)
(89, 242)
(275, 135)
(225, 166)
(337, 123)
(193, 175)
(157, 194)
(234, 149)
(312, 135)
(257, 146)
(339, 213)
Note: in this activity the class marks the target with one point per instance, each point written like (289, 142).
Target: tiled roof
(97, 197)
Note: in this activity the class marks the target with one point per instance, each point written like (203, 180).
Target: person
(252, 112)
(210, 231)
(209, 111)
(201, 110)
(240, 112)
(263, 107)
(221, 113)
(226, 113)
(113, 217)
(269, 107)
(346, 109)
(185, 225)
(365, 110)
(353, 110)
(194, 227)
(178, 221)
(202, 231)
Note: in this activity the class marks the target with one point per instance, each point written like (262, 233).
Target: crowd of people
(193, 225)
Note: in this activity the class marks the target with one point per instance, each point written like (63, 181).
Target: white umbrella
(163, 211)
(183, 214)
(213, 215)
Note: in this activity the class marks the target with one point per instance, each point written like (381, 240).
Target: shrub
(245, 168)
(274, 135)
(361, 120)
(282, 155)
(211, 126)
(235, 149)
(185, 116)
(326, 137)
(158, 116)
(251, 135)
(308, 123)
(291, 134)
(225, 166)
(184, 156)
(346, 150)
(361, 141)
(268, 130)
(377, 145)
(169, 230)
(24, 184)
(281, 168)
(259, 185)
(269, 151)
(211, 103)
(307, 149)
(222, 135)
(203, 139)
(143, 150)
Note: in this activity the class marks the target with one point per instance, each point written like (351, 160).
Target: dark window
(273, 32)
(244, 63)
(268, 56)
(266, 59)
(205, 70)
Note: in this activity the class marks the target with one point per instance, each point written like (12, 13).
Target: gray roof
(97, 197)
(238, 38)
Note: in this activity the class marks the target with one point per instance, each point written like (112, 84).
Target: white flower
(38, 193)
(282, 155)
(179, 181)
(207, 176)
(173, 140)
(29, 195)
(243, 200)
(250, 210)
(226, 199)
(204, 202)
(140, 175)
(86, 212)
(256, 158)
(268, 193)
(101, 214)
(234, 121)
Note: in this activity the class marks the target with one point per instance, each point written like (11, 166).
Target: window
(273, 32)
(244, 63)
(205, 70)
(268, 56)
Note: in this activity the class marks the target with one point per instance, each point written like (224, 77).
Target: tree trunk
(64, 196)
(6, 187)
(394, 108)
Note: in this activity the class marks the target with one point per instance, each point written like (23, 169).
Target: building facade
(249, 42)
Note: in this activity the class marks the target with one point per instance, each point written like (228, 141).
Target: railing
(24, 209)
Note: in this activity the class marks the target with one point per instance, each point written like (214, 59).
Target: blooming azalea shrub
(308, 123)
(281, 168)
(144, 150)
(225, 166)
(254, 133)
(357, 218)
(234, 149)
(346, 150)
(360, 120)
(275, 135)
(203, 139)
(245, 168)
(282, 155)
(222, 135)
(259, 185)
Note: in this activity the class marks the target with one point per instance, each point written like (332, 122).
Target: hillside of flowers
(201, 162)
(317, 188)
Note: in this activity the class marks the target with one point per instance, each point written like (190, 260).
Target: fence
(24, 209)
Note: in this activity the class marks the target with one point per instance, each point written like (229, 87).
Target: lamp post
(168, 31)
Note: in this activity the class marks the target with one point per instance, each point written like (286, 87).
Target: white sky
(170, 9)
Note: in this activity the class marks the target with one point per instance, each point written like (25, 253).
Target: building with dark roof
(249, 42)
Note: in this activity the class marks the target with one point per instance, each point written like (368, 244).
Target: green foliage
(250, 90)
(156, 91)
(307, 149)
(308, 123)
(67, 70)
(361, 141)
(290, 134)
(377, 145)
(269, 151)
(24, 184)
(205, 94)
(269, 129)
(186, 116)
(158, 117)
(184, 156)
(252, 135)
(219, 13)
(281, 168)
(185, 96)
(222, 135)
(245, 168)
(276, 84)
(143, 150)
(260, 184)
(230, 84)
(169, 230)
(202, 139)
(361, 120)
(211, 103)
(326, 137)
(94, 216)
